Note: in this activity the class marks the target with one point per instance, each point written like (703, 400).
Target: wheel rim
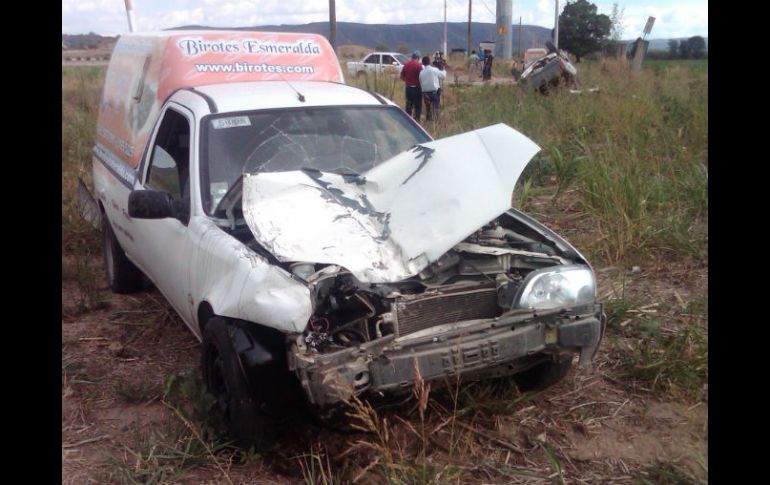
(217, 382)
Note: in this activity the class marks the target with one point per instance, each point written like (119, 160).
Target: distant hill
(426, 37)
(86, 41)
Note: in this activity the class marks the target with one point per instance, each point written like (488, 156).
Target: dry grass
(636, 152)
(623, 175)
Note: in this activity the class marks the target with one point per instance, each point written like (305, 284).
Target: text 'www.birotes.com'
(248, 67)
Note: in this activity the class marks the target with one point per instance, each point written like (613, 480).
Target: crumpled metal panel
(238, 283)
(401, 216)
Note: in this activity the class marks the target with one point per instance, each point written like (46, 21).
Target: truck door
(373, 63)
(389, 64)
(165, 243)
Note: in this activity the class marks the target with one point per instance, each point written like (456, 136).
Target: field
(623, 175)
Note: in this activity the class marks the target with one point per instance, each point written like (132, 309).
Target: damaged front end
(482, 310)
(419, 264)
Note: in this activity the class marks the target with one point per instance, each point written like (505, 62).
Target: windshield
(341, 139)
(402, 58)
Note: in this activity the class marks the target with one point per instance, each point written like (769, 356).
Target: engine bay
(477, 279)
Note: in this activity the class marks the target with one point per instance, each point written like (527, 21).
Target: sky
(674, 18)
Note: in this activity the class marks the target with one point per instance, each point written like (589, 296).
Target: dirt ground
(117, 355)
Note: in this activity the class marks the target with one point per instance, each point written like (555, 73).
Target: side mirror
(395, 63)
(151, 204)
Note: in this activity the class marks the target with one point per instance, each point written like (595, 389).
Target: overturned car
(548, 72)
(312, 232)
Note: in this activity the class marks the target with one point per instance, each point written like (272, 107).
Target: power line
(457, 3)
(490, 11)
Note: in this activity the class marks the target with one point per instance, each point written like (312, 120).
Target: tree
(673, 48)
(616, 22)
(581, 30)
(697, 46)
(684, 50)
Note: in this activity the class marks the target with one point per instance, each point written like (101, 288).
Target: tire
(236, 407)
(360, 74)
(544, 375)
(122, 275)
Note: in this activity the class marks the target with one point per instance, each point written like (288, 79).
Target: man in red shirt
(410, 74)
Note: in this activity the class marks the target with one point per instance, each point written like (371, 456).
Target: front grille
(418, 312)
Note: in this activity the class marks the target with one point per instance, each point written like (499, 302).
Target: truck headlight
(547, 288)
(302, 271)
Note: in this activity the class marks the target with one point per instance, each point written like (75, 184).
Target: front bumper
(473, 349)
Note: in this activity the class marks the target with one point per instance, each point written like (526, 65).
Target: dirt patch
(597, 425)
(647, 433)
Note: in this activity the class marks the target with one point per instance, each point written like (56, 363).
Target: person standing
(438, 59)
(481, 61)
(473, 64)
(410, 74)
(439, 62)
(429, 83)
(487, 71)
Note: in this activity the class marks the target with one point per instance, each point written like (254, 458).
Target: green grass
(665, 347)
(667, 473)
(633, 159)
(81, 92)
(637, 151)
(158, 455)
(673, 360)
(701, 65)
(183, 440)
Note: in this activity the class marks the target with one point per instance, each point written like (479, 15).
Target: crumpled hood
(400, 216)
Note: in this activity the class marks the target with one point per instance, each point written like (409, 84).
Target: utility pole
(556, 27)
(468, 52)
(445, 52)
(332, 25)
(504, 38)
(130, 14)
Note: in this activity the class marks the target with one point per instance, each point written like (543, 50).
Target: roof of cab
(192, 58)
(281, 94)
(146, 68)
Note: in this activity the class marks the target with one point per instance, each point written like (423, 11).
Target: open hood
(399, 217)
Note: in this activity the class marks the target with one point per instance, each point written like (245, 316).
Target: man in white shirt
(429, 83)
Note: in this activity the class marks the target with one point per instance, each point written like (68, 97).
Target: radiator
(418, 312)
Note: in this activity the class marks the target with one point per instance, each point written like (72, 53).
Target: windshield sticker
(230, 122)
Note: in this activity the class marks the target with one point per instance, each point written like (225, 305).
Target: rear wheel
(237, 407)
(122, 275)
(544, 375)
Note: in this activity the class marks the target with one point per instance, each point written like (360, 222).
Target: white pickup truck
(378, 62)
(315, 238)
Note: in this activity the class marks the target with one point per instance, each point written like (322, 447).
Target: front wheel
(122, 275)
(544, 375)
(236, 404)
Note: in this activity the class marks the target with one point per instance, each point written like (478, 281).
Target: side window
(387, 60)
(164, 174)
(169, 168)
(373, 59)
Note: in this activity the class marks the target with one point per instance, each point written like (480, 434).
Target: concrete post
(504, 37)
(639, 53)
